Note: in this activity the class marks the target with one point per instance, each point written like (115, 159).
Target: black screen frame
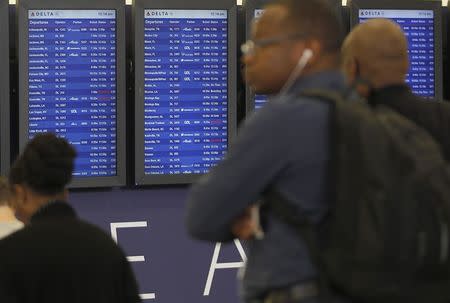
(22, 54)
(138, 31)
(250, 6)
(4, 89)
(436, 6)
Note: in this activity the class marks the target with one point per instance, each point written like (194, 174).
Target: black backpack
(388, 233)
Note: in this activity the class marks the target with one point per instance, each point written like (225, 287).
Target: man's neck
(326, 63)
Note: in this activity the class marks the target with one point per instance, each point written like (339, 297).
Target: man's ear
(312, 45)
(316, 48)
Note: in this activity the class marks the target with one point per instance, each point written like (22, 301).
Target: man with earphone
(283, 146)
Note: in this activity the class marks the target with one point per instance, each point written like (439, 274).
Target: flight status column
(260, 100)
(72, 83)
(186, 90)
(418, 26)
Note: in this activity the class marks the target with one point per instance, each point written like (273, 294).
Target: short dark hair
(45, 165)
(317, 19)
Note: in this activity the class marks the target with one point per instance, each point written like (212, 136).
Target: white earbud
(306, 56)
(301, 64)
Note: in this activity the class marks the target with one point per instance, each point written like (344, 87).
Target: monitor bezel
(22, 7)
(356, 5)
(4, 90)
(139, 6)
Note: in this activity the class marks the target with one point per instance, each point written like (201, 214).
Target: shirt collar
(384, 95)
(325, 80)
(331, 79)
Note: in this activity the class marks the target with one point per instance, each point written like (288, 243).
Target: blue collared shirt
(284, 145)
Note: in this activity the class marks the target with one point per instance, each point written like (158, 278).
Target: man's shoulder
(400, 95)
(300, 106)
(58, 232)
(291, 116)
(93, 230)
(293, 104)
(409, 100)
(15, 241)
(85, 232)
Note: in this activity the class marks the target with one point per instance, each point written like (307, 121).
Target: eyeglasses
(249, 47)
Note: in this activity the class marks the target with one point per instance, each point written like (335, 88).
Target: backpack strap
(289, 213)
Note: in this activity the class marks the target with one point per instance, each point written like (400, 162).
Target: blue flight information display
(260, 100)
(186, 90)
(72, 83)
(418, 26)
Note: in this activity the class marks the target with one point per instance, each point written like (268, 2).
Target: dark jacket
(431, 115)
(59, 258)
(283, 145)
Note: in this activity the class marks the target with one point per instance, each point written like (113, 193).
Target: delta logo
(370, 13)
(43, 14)
(157, 14)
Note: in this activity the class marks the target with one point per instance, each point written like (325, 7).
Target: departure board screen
(72, 83)
(418, 26)
(185, 90)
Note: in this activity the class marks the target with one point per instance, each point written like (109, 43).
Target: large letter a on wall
(214, 265)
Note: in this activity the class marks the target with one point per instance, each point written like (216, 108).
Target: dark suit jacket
(59, 258)
(431, 115)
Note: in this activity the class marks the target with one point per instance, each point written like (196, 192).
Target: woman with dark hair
(57, 257)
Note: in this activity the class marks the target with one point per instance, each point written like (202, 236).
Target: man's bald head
(376, 51)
